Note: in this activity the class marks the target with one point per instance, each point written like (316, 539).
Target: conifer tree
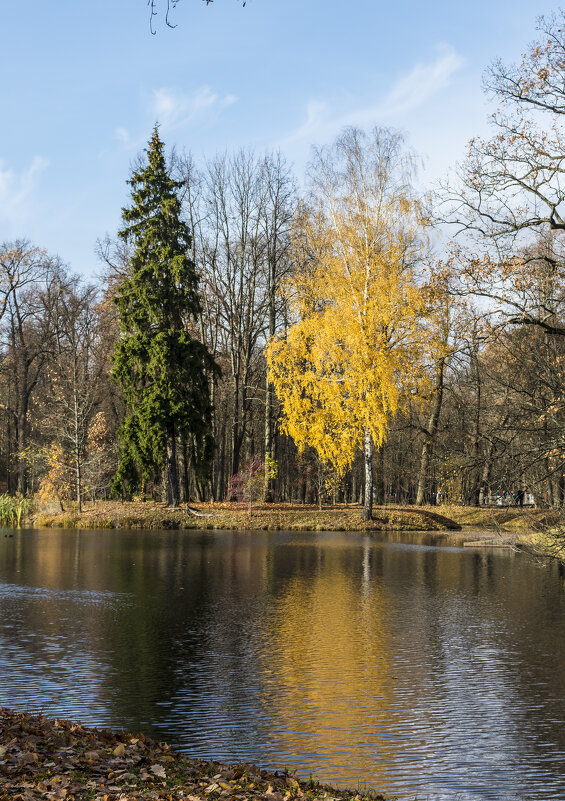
(163, 370)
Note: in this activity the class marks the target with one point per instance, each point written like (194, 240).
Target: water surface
(418, 670)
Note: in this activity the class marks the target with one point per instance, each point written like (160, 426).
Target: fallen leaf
(28, 757)
(159, 771)
(58, 795)
(119, 750)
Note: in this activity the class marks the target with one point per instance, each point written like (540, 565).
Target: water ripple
(429, 672)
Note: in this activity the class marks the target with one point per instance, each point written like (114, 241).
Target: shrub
(249, 484)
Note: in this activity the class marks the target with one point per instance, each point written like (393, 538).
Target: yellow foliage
(360, 339)
(97, 433)
(54, 483)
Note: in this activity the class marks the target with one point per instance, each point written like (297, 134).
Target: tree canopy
(358, 341)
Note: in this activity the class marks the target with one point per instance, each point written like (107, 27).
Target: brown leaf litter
(58, 760)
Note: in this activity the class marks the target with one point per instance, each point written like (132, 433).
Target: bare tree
(510, 190)
(26, 272)
(278, 207)
(74, 377)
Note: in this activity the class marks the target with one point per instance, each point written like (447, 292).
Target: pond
(417, 670)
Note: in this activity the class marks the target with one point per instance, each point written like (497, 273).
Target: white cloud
(173, 108)
(16, 193)
(423, 82)
(122, 135)
(408, 93)
(317, 114)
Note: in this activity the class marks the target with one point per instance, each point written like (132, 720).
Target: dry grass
(235, 516)
(502, 517)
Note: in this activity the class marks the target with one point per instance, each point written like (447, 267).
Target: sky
(83, 83)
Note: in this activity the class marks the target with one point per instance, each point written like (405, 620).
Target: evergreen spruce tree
(162, 368)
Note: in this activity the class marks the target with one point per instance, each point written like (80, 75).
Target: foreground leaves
(64, 761)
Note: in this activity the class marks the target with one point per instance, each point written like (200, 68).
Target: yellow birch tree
(359, 338)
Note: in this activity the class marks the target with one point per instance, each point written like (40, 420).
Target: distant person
(520, 498)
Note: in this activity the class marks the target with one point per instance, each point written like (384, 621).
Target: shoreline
(539, 531)
(41, 758)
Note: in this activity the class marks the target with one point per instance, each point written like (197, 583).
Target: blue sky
(84, 82)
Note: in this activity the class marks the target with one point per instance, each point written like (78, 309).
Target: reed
(13, 510)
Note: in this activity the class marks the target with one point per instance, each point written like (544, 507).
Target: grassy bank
(501, 518)
(63, 761)
(234, 516)
(539, 531)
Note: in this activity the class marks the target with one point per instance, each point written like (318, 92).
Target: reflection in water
(427, 671)
(326, 683)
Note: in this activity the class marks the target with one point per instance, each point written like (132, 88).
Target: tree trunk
(221, 470)
(238, 427)
(21, 445)
(78, 480)
(477, 436)
(173, 494)
(268, 492)
(235, 430)
(320, 483)
(368, 455)
(268, 488)
(485, 475)
(77, 444)
(379, 479)
(214, 433)
(185, 482)
(430, 435)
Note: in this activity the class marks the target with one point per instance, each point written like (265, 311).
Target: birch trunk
(368, 455)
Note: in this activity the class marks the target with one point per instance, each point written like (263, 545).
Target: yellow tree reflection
(326, 667)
